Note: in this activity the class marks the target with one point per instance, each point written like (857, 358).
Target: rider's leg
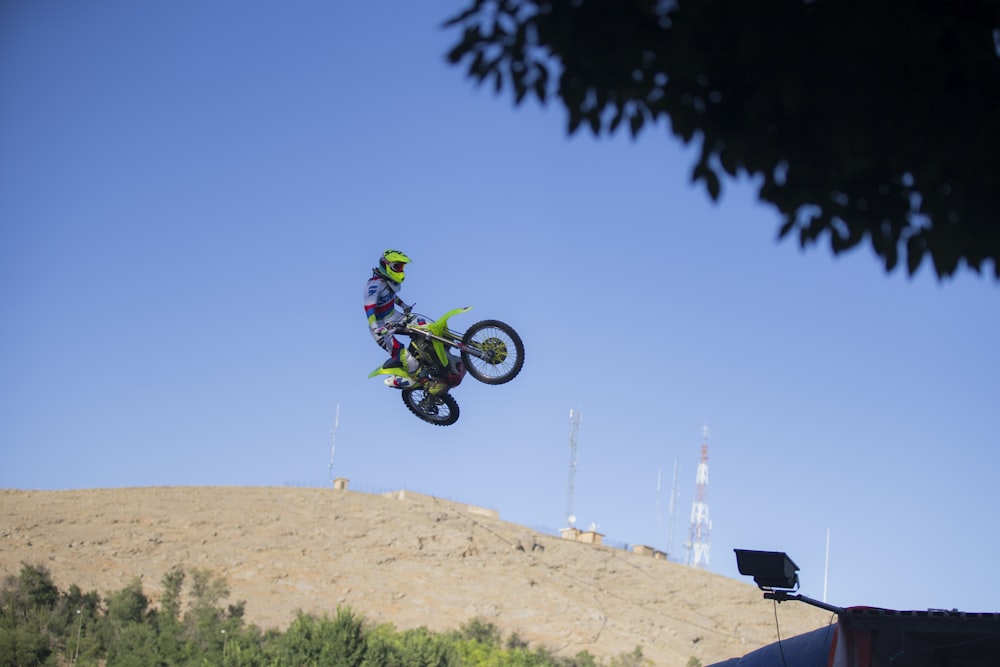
(393, 347)
(399, 355)
(409, 361)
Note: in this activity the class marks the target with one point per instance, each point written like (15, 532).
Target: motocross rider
(381, 299)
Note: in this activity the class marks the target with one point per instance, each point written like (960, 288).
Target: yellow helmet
(391, 265)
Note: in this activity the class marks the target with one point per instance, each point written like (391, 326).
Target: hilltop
(402, 558)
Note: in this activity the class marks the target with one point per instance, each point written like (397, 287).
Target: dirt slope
(400, 558)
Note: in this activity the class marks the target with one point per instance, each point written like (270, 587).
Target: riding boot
(409, 362)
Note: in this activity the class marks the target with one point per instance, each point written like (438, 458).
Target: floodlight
(777, 575)
(770, 569)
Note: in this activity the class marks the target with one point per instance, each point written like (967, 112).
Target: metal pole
(781, 596)
(826, 566)
(79, 627)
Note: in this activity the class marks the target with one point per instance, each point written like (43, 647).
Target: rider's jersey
(380, 302)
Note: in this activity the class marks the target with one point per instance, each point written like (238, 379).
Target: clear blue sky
(192, 195)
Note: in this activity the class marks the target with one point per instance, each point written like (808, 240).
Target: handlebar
(402, 323)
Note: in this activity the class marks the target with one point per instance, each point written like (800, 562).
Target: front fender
(438, 327)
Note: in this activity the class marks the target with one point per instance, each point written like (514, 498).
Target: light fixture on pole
(777, 575)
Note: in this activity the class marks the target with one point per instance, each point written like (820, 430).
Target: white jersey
(380, 302)
(380, 308)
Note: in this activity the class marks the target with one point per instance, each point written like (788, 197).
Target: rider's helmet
(391, 266)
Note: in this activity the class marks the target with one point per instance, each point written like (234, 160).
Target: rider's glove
(390, 328)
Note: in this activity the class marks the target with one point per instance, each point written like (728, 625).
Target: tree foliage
(40, 625)
(873, 119)
(36, 620)
(31, 591)
(129, 605)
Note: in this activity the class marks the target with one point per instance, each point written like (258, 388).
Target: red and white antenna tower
(698, 544)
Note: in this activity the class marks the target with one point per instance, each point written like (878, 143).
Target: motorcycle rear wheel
(440, 410)
(504, 346)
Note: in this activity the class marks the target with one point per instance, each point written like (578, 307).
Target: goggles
(398, 267)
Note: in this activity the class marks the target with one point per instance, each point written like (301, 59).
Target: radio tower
(670, 525)
(333, 440)
(574, 426)
(701, 526)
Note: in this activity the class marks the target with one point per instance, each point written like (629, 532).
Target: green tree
(481, 631)
(80, 617)
(129, 605)
(203, 622)
(28, 617)
(76, 600)
(135, 645)
(633, 659)
(337, 642)
(243, 647)
(874, 120)
(127, 633)
(423, 648)
(582, 659)
(170, 600)
(348, 639)
(23, 645)
(168, 617)
(30, 591)
(382, 649)
(514, 641)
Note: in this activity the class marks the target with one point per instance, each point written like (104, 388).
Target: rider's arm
(402, 304)
(371, 300)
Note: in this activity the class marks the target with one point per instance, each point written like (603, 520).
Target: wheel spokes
(499, 352)
(433, 407)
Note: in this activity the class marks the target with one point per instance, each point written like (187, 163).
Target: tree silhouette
(858, 119)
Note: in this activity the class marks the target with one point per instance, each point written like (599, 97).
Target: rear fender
(399, 370)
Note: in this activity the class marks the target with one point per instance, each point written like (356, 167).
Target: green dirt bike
(491, 351)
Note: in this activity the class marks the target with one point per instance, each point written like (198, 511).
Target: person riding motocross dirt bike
(381, 299)
(426, 370)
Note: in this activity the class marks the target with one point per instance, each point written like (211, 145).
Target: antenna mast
(671, 513)
(333, 440)
(701, 526)
(659, 513)
(574, 427)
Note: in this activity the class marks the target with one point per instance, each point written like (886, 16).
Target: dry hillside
(400, 558)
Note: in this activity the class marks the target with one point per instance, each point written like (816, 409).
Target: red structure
(698, 544)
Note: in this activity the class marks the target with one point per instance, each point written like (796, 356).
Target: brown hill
(400, 558)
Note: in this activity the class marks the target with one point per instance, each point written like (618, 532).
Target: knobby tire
(500, 337)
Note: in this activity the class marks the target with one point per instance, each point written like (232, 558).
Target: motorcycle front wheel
(440, 409)
(501, 352)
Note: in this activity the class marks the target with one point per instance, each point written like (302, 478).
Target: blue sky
(193, 194)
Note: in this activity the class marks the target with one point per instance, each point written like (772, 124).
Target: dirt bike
(490, 350)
